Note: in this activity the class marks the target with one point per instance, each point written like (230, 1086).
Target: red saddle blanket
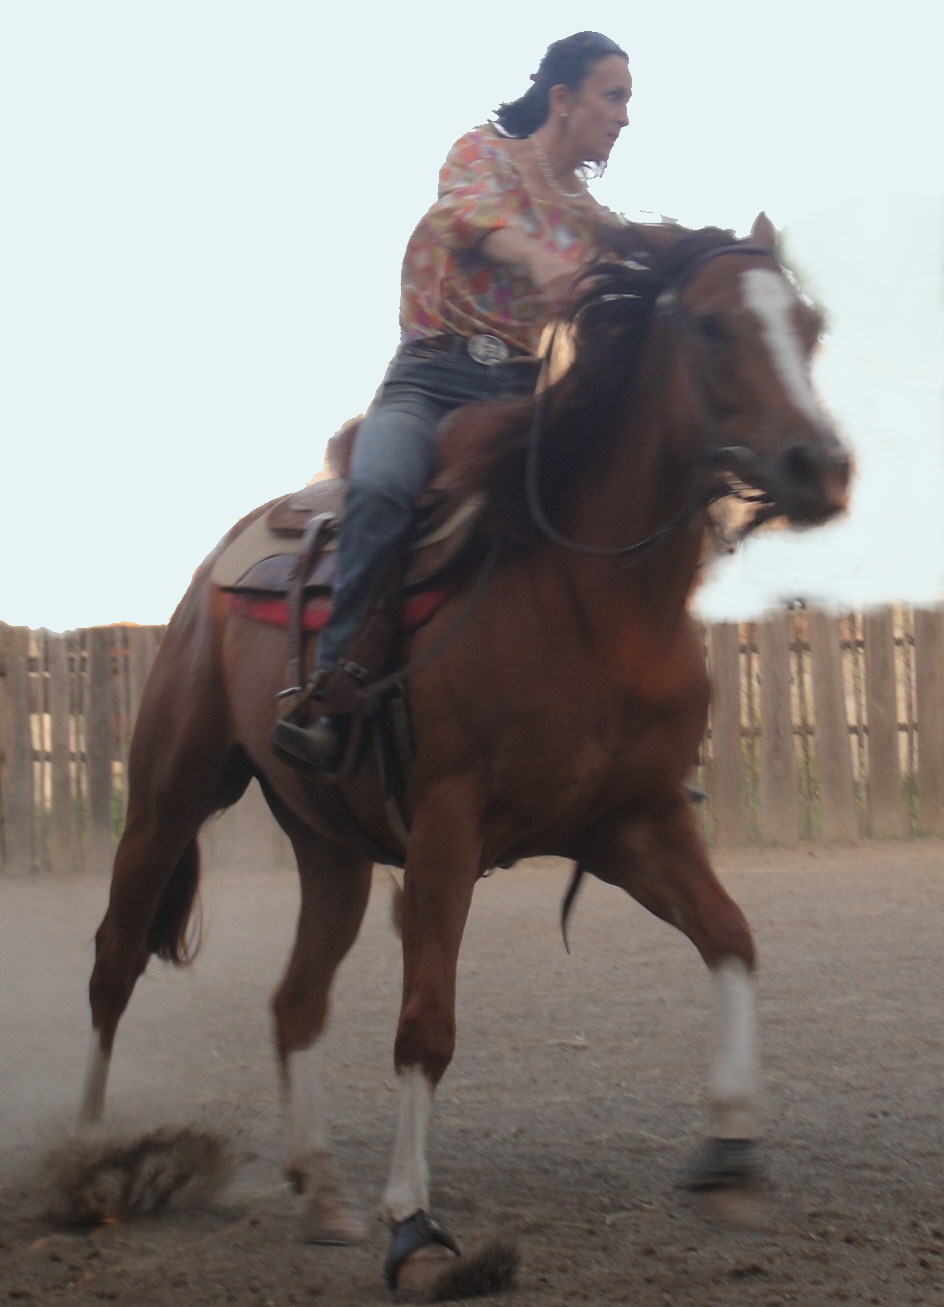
(259, 567)
(275, 612)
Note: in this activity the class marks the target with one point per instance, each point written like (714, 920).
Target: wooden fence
(822, 728)
(825, 727)
(67, 706)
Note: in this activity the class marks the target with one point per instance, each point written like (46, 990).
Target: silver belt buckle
(488, 350)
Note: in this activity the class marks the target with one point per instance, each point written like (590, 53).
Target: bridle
(669, 304)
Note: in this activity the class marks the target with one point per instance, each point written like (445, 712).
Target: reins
(463, 615)
(540, 518)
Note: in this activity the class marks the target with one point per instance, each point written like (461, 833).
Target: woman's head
(567, 64)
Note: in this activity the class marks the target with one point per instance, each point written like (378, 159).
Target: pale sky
(205, 204)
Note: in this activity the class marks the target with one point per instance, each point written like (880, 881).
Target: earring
(563, 117)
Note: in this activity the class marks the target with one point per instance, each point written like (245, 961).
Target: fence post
(929, 710)
(887, 814)
(728, 791)
(100, 747)
(778, 776)
(16, 753)
(60, 750)
(143, 643)
(839, 818)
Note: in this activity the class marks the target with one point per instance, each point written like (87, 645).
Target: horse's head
(743, 337)
(747, 337)
(688, 358)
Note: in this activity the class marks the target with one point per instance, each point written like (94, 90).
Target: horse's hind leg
(662, 863)
(334, 890)
(151, 880)
(182, 768)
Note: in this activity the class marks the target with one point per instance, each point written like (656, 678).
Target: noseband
(669, 303)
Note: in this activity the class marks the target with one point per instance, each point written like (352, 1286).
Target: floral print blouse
(448, 286)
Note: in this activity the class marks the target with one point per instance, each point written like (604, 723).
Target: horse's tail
(568, 901)
(176, 931)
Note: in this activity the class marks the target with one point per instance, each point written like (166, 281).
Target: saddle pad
(261, 559)
(250, 547)
(291, 515)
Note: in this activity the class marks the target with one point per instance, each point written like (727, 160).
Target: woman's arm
(551, 273)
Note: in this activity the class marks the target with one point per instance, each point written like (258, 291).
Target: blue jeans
(395, 457)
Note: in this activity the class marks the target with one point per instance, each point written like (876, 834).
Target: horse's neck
(630, 496)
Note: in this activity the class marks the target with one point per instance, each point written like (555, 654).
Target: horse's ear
(763, 232)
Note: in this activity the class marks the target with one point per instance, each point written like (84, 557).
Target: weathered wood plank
(728, 793)
(840, 820)
(17, 812)
(778, 778)
(929, 710)
(142, 647)
(887, 815)
(100, 709)
(59, 699)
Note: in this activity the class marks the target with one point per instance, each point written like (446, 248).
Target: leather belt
(486, 349)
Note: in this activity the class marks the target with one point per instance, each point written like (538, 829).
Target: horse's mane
(607, 320)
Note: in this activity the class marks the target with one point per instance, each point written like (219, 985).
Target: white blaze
(768, 295)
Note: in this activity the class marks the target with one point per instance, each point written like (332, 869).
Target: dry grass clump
(491, 1270)
(95, 1182)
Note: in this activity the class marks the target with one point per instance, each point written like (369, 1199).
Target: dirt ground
(575, 1096)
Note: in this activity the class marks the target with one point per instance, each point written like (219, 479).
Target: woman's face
(596, 111)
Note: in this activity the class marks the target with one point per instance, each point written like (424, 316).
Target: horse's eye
(712, 329)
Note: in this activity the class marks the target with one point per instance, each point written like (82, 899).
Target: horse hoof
(723, 1164)
(420, 1250)
(332, 1221)
(743, 1208)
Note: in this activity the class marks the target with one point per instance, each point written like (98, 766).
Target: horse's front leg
(441, 870)
(334, 892)
(663, 864)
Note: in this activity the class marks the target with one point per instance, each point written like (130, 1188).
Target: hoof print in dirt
(723, 1164)
(107, 1180)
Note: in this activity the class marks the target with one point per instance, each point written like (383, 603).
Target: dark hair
(566, 63)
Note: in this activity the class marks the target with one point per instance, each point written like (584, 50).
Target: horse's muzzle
(806, 482)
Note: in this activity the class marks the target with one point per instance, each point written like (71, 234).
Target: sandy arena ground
(575, 1096)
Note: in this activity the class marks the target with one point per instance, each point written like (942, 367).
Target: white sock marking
(407, 1188)
(92, 1103)
(735, 1069)
(768, 295)
(306, 1103)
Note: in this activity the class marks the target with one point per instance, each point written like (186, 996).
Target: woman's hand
(550, 272)
(553, 276)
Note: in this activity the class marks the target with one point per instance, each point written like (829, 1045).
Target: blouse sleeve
(478, 193)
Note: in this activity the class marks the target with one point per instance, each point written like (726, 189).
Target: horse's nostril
(801, 466)
(816, 479)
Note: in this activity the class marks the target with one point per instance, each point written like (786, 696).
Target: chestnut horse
(562, 719)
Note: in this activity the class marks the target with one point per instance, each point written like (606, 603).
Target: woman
(484, 271)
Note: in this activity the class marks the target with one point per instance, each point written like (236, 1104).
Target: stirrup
(318, 748)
